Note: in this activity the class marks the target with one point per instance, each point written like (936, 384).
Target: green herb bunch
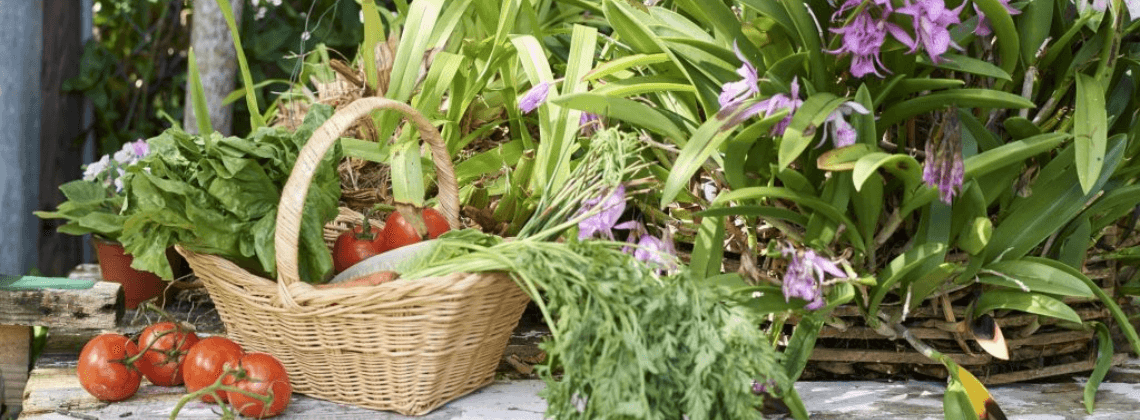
(219, 196)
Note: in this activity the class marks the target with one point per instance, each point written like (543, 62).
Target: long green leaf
(633, 112)
(1104, 356)
(624, 64)
(964, 98)
(1122, 320)
(255, 119)
(1034, 303)
(1013, 153)
(363, 149)
(706, 140)
(899, 267)
(627, 24)
(801, 344)
(967, 64)
(902, 166)
(414, 40)
(407, 174)
(1032, 219)
(1008, 41)
(198, 97)
(1033, 26)
(824, 208)
(1040, 278)
(798, 136)
(1091, 131)
(373, 34)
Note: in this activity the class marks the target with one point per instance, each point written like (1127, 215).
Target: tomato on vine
(107, 367)
(165, 345)
(356, 245)
(259, 374)
(399, 231)
(206, 361)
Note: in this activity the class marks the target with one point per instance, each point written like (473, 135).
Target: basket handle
(287, 237)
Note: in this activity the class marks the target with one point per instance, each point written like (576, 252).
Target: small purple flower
(534, 97)
(805, 275)
(863, 38)
(762, 387)
(589, 123)
(140, 148)
(733, 94)
(943, 168)
(775, 103)
(841, 132)
(656, 252)
(609, 209)
(931, 26)
(983, 28)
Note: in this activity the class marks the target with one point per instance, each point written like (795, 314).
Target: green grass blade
(373, 34)
(255, 119)
(198, 97)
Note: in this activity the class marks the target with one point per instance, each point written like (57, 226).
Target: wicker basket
(408, 346)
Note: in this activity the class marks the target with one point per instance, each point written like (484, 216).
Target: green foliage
(628, 344)
(219, 196)
(133, 69)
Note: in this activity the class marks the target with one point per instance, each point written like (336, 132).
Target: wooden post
(61, 125)
(15, 343)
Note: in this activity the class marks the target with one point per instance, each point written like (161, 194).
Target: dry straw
(408, 346)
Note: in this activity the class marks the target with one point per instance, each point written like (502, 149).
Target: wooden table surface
(54, 393)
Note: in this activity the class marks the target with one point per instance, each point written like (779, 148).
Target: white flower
(94, 169)
(255, 2)
(260, 13)
(124, 156)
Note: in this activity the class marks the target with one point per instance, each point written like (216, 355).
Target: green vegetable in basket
(219, 196)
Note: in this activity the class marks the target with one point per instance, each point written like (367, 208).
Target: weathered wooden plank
(66, 311)
(1049, 371)
(15, 344)
(55, 393)
(884, 356)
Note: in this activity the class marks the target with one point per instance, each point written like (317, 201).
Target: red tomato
(264, 375)
(206, 361)
(355, 246)
(164, 357)
(399, 232)
(102, 371)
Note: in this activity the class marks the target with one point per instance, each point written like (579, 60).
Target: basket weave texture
(408, 346)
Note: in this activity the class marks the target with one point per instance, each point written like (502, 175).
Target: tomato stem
(130, 360)
(213, 389)
(366, 230)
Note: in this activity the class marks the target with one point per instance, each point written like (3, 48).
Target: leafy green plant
(219, 195)
(903, 154)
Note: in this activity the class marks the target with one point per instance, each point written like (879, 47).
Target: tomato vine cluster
(214, 369)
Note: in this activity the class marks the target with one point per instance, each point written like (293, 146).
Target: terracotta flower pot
(138, 286)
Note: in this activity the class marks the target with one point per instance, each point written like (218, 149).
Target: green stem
(213, 389)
